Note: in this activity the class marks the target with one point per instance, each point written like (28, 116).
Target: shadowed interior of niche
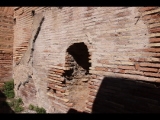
(79, 51)
(77, 75)
(119, 95)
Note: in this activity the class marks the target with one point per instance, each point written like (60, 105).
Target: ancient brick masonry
(121, 42)
(6, 43)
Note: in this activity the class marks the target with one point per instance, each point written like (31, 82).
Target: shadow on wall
(117, 95)
(4, 107)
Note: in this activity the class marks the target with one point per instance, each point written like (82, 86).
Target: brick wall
(6, 44)
(122, 42)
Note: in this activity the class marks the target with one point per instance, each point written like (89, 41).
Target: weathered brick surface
(6, 43)
(143, 9)
(148, 69)
(121, 41)
(150, 64)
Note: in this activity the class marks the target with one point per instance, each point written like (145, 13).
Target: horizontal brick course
(127, 67)
(150, 64)
(148, 69)
(6, 46)
(146, 9)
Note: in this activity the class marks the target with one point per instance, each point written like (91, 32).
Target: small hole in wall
(33, 12)
(14, 20)
(32, 49)
(54, 91)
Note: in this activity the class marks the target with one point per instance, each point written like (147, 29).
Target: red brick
(155, 16)
(69, 104)
(122, 71)
(100, 68)
(93, 76)
(55, 88)
(152, 74)
(132, 59)
(57, 70)
(154, 40)
(7, 45)
(148, 69)
(56, 78)
(56, 83)
(126, 67)
(89, 106)
(92, 93)
(115, 70)
(154, 30)
(137, 66)
(146, 17)
(141, 59)
(150, 64)
(152, 50)
(146, 9)
(59, 73)
(155, 55)
(91, 82)
(59, 95)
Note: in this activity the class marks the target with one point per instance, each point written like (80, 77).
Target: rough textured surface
(26, 63)
(6, 43)
(121, 41)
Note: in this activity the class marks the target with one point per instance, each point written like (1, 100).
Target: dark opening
(77, 60)
(14, 20)
(33, 12)
(79, 52)
(77, 75)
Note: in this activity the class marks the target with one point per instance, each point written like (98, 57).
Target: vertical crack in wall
(34, 40)
(26, 62)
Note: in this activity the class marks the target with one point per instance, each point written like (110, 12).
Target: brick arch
(81, 46)
(72, 95)
(76, 74)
